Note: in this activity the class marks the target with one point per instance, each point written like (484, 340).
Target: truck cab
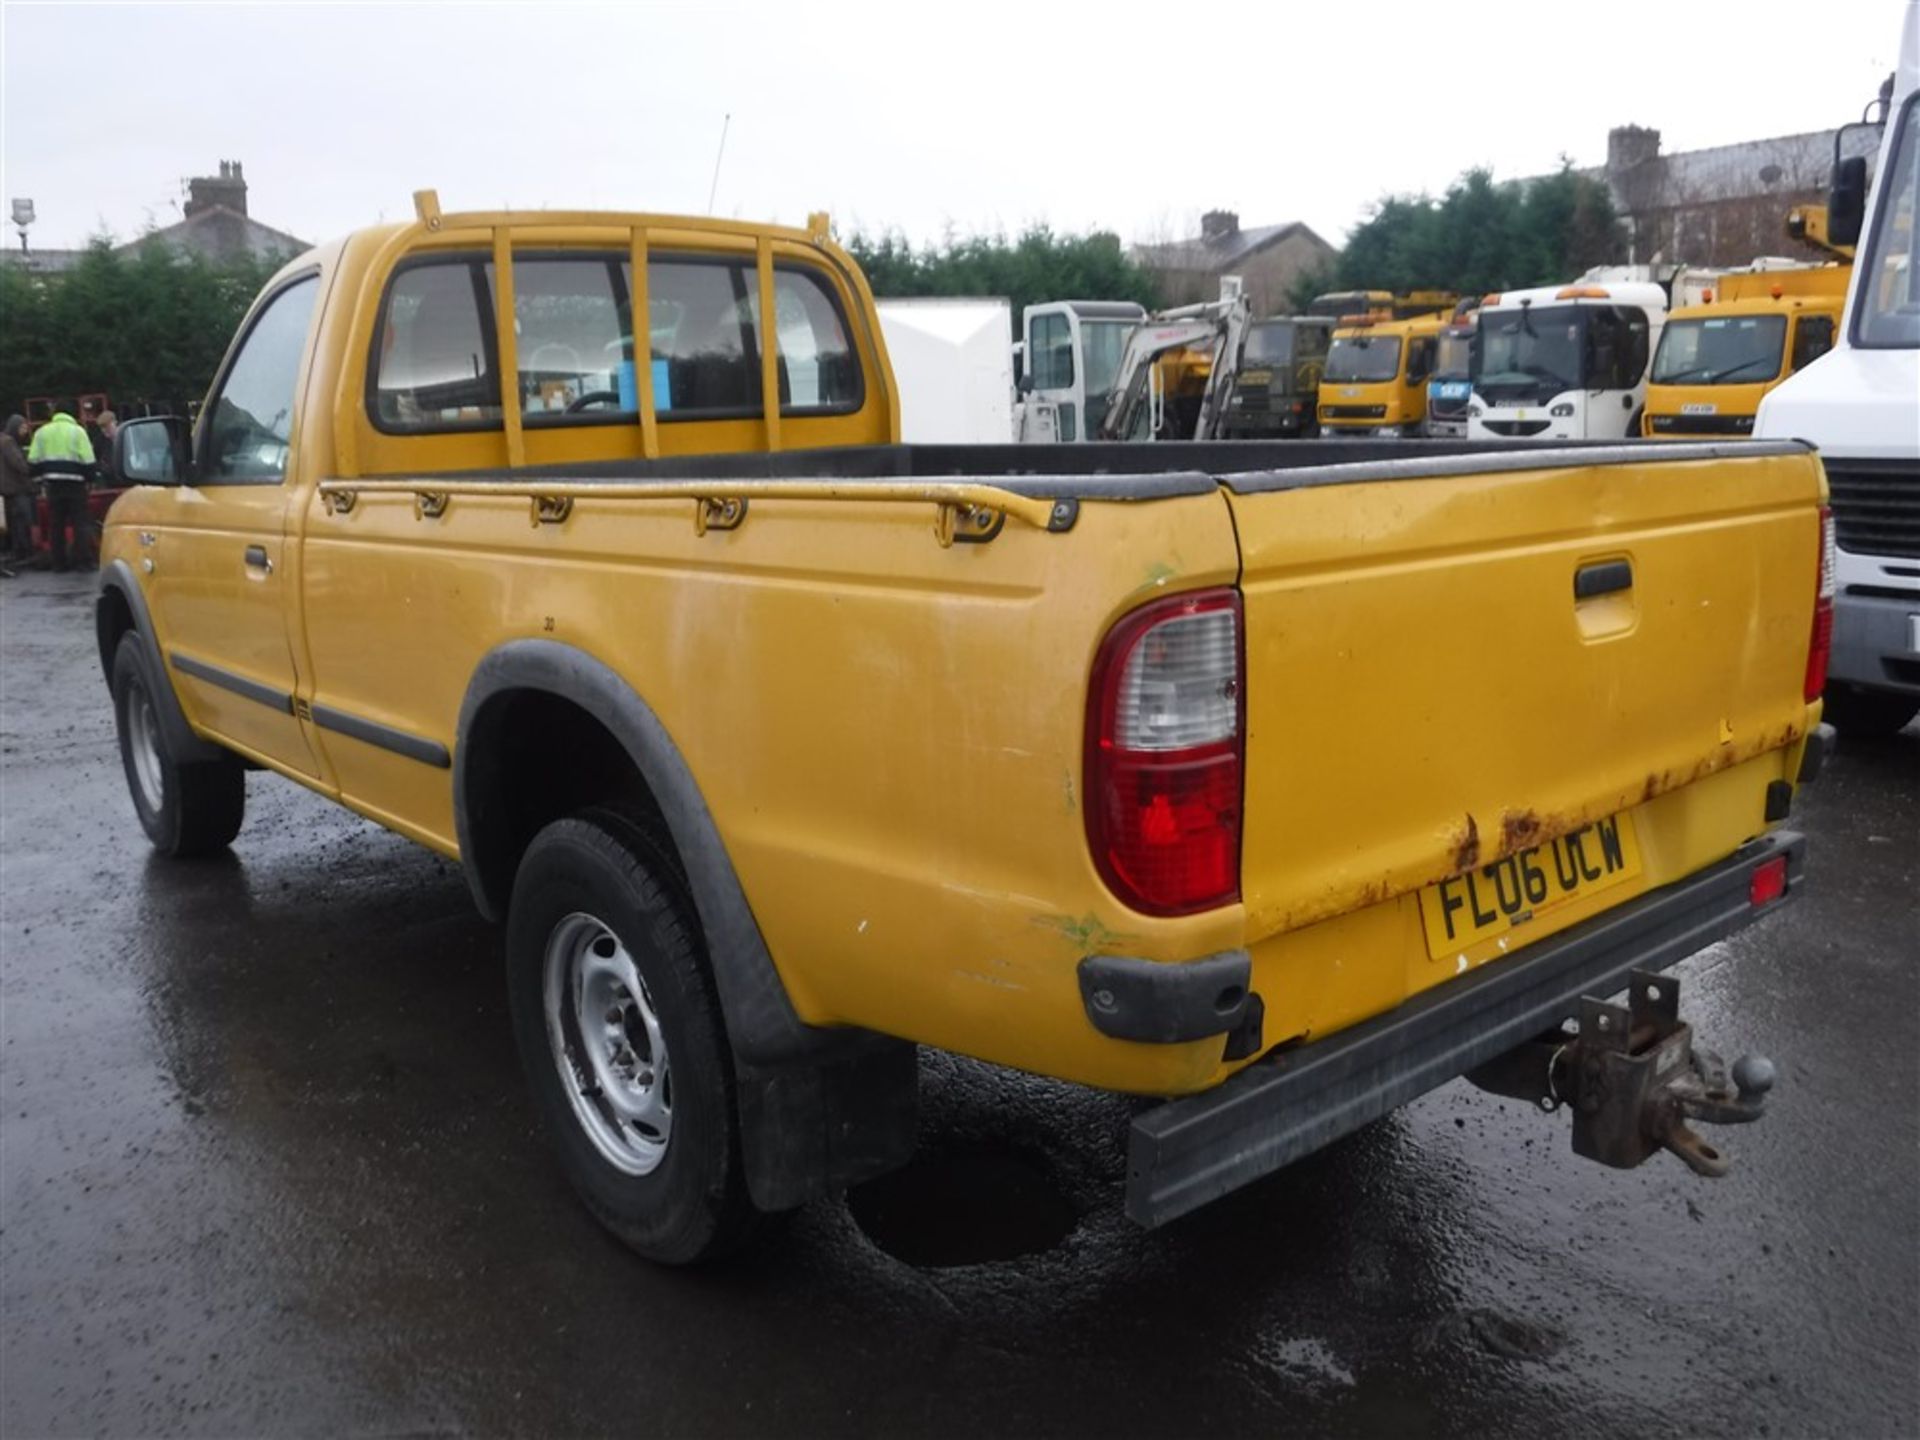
(1861, 406)
(1375, 380)
(1565, 362)
(1278, 381)
(1450, 387)
(1716, 361)
(1071, 351)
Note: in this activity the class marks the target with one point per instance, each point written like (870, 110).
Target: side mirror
(155, 451)
(1847, 200)
(1025, 387)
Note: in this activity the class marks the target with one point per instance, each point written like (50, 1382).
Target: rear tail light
(1165, 754)
(1820, 645)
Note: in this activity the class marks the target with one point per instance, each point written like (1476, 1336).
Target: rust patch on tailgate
(1466, 854)
(1519, 829)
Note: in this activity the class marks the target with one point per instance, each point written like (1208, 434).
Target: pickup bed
(1292, 779)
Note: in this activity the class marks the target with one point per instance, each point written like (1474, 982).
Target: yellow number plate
(1255, 377)
(1462, 912)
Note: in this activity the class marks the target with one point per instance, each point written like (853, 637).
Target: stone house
(1719, 206)
(1269, 258)
(213, 224)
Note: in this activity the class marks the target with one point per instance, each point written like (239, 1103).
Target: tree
(1478, 236)
(1037, 265)
(147, 326)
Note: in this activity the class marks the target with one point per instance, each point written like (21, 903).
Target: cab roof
(1759, 305)
(1641, 293)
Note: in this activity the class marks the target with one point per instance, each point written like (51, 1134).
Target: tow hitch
(1633, 1080)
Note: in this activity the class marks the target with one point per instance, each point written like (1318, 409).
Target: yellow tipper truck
(1717, 360)
(1284, 782)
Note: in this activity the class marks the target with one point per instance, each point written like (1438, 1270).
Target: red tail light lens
(1820, 646)
(1165, 754)
(1768, 882)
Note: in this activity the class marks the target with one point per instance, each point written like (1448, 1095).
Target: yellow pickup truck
(1283, 782)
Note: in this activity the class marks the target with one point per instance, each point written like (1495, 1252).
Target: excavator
(1177, 370)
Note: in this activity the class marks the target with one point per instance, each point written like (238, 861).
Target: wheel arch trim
(117, 581)
(761, 1023)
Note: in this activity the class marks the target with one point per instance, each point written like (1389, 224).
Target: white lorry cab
(1564, 361)
(1860, 403)
(1071, 352)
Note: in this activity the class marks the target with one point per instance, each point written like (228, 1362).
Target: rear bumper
(1187, 1152)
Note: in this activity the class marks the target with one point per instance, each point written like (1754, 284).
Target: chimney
(1218, 225)
(228, 189)
(1631, 145)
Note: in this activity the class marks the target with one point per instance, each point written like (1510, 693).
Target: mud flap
(812, 1127)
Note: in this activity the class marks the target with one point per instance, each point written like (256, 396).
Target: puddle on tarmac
(964, 1204)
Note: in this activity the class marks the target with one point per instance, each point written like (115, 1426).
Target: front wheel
(620, 1032)
(187, 809)
(1868, 713)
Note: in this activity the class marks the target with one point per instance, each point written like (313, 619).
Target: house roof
(1781, 164)
(42, 262)
(220, 234)
(1216, 253)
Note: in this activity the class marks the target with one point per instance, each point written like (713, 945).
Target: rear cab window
(435, 362)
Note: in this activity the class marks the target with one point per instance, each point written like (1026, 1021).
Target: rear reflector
(1768, 882)
(1165, 727)
(1820, 643)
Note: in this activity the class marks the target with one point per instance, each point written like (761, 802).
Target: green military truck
(1278, 379)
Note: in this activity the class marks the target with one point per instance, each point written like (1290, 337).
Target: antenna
(714, 189)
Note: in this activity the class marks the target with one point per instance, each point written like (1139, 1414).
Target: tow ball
(1633, 1079)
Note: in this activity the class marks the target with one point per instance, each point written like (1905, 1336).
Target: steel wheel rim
(608, 1051)
(143, 742)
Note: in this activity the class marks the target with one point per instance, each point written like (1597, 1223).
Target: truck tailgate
(1453, 659)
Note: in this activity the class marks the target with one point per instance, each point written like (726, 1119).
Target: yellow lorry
(1374, 383)
(1717, 360)
(1286, 782)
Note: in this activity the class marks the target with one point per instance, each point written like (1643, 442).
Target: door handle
(1604, 577)
(258, 559)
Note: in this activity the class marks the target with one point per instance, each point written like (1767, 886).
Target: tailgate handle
(1606, 577)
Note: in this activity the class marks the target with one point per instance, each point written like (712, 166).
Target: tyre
(187, 809)
(619, 1028)
(1868, 713)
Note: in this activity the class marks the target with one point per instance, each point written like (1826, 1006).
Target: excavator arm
(1218, 327)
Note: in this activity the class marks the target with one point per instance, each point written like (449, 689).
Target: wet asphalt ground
(266, 1166)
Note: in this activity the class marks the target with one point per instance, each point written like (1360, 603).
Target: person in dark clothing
(61, 458)
(16, 485)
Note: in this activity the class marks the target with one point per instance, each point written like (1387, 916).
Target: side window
(252, 417)
(1812, 338)
(1051, 352)
(571, 337)
(1607, 357)
(1638, 331)
(705, 356)
(436, 367)
(1419, 361)
(818, 369)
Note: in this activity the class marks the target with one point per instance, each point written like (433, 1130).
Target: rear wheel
(620, 1031)
(186, 809)
(1867, 713)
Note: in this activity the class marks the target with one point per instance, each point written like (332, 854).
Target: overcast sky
(914, 116)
